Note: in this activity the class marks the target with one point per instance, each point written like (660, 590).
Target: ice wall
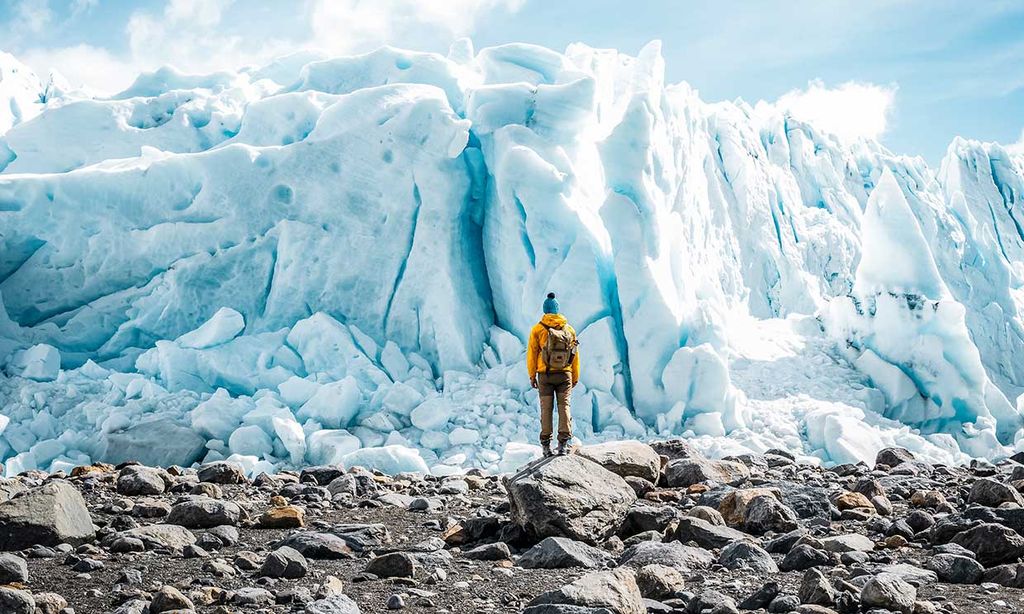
(297, 262)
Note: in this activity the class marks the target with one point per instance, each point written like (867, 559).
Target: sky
(911, 73)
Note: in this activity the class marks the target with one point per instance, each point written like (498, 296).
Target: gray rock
(804, 557)
(890, 592)
(156, 443)
(169, 599)
(344, 484)
(392, 565)
(321, 474)
(815, 588)
(911, 574)
(48, 515)
(660, 581)
(1011, 576)
(706, 534)
(711, 601)
(203, 513)
(761, 598)
(625, 459)
(13, 601)
(172, 537)
(685, 472)
(49, 603)
(334, 604)
(284, 562)
(765, 514)
(992, 544)
(222, 473)
(141, 480)
(893, 457)
(497, 551)
(568, 496)
(362, 537)
(672, 554)
(745, 555)
(318, 545)
(615, 591)
(851, 542)
(13, 568)
(249, 596)
(561, 552)
(990, 493)
(955, 569)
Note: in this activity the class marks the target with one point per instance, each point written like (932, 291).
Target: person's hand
(533, 382)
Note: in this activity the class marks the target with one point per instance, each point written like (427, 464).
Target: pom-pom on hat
(551, 303)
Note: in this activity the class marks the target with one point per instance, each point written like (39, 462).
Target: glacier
(337, 260)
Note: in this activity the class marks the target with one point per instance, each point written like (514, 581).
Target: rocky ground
(621, 528)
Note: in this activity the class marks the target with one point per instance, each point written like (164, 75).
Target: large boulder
(568, 496)
(625, 459)
(992, 544)
(51, 514)
(157, 443)
(992, 493)
(614, 591)
(685, 472)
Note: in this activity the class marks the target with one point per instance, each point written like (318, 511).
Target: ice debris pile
(337, 260)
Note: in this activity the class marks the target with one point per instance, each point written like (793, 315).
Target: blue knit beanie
(551, 304)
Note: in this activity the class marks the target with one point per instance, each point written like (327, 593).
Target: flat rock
(318, 545)
(625, 459)
(706, 534)
(204, 512)
(615, 591)
(48, 515)
(562, 552)
(170, 536)
(672, 554)
(685, 472)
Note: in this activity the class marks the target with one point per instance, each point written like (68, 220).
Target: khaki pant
(552, 386)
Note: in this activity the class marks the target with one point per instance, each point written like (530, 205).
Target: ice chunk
(333, 405)
(388, 459)
(895, 256)
(250, 441)
(290, 433)
(432, 414)
(40, 362)
(222, 327)
(328, 446)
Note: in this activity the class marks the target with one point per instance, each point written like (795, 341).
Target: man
(553, 362)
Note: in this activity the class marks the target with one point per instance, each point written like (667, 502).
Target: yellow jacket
(539, 336)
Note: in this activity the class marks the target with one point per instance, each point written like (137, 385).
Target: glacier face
(338, 260)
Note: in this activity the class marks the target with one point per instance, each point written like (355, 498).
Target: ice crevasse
(338, 260)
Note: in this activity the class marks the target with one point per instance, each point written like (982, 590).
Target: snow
(338, 260)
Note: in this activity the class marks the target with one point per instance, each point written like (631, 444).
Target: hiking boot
(546, 450)
(563, 449)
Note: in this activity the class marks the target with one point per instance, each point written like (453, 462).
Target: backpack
(559, 349)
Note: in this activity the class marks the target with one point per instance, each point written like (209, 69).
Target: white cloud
(342, 26)
(1018, 147)
(201, 35)
(31, 16)
(79, 7)
(850, 111)
(83, 65)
